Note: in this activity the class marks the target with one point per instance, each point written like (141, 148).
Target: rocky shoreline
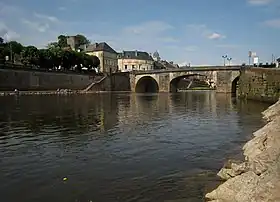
(257, 178)
(54, 92)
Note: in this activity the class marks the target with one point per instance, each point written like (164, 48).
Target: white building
(135, 60)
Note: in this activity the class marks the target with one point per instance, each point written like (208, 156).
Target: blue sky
(184, 31)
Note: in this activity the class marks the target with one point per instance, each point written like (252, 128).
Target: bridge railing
(198, 68)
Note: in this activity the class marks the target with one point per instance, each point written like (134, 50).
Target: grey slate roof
(158, 65)
(138, 55)
(100, 47)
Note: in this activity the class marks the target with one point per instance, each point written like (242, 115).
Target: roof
(138, 55)
(158, 65)
(166, 65)
(100, 47)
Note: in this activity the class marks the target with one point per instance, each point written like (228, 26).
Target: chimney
(136, 53)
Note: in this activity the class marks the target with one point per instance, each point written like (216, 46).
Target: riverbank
(258, 177)
(57, 92)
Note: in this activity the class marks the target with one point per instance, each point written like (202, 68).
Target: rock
(233, 170)
(228, 190)
(272, 111)
(258, 178)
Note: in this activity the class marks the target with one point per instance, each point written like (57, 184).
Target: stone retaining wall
(36, 80)
(28, 80)
(260, 84)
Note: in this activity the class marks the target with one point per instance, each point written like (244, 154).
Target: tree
(1, 40)
(82, 40)
(53, 45)
(95, 61)
(30, 55)
(15, 46)
(62, 41)
(46, 59)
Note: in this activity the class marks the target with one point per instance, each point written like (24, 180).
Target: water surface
(119, 147)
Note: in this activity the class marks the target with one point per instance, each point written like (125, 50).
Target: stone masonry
(260, 84)
(222, 78)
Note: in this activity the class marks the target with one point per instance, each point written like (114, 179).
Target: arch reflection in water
(186, 82)
(147, 84)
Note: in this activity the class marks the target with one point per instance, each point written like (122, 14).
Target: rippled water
(119, 147)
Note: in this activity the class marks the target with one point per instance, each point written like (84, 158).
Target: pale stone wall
(107, 61)
(260, 84)
(222, 80)
(35, 80)
(127, 65)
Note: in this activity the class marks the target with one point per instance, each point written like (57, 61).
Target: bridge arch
(175, 82)
(234, 86)
(147, 84)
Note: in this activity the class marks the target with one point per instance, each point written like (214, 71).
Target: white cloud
(259, 2)
(27, 26)
(148, 36)
(275, 23)
(7, 33)
(46, 17)
(40, 27)
(216, 36)
(204, 31)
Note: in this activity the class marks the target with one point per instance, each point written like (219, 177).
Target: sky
(196, 32)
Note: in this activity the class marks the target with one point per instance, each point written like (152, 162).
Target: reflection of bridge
(224, 79)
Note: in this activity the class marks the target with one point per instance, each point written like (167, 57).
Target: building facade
(106, 54)
(135, 60)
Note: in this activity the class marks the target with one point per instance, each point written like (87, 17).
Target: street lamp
(229, 59)
(224, 57)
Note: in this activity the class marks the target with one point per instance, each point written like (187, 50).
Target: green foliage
(30, 55)
(96, 61)
(56, 54)
(53, 45)
(82, 39)
(15, 46)
(62, 41)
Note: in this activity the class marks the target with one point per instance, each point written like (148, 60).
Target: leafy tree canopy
(82, 39)
(56, 54)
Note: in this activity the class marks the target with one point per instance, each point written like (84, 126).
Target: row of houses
(112, 61)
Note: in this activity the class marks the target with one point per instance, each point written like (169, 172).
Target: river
(120, 147)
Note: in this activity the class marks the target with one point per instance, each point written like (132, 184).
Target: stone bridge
(223, 79)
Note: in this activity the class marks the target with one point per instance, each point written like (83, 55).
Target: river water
(119, 147)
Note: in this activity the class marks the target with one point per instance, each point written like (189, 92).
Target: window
(133, 66)
(125, 67)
